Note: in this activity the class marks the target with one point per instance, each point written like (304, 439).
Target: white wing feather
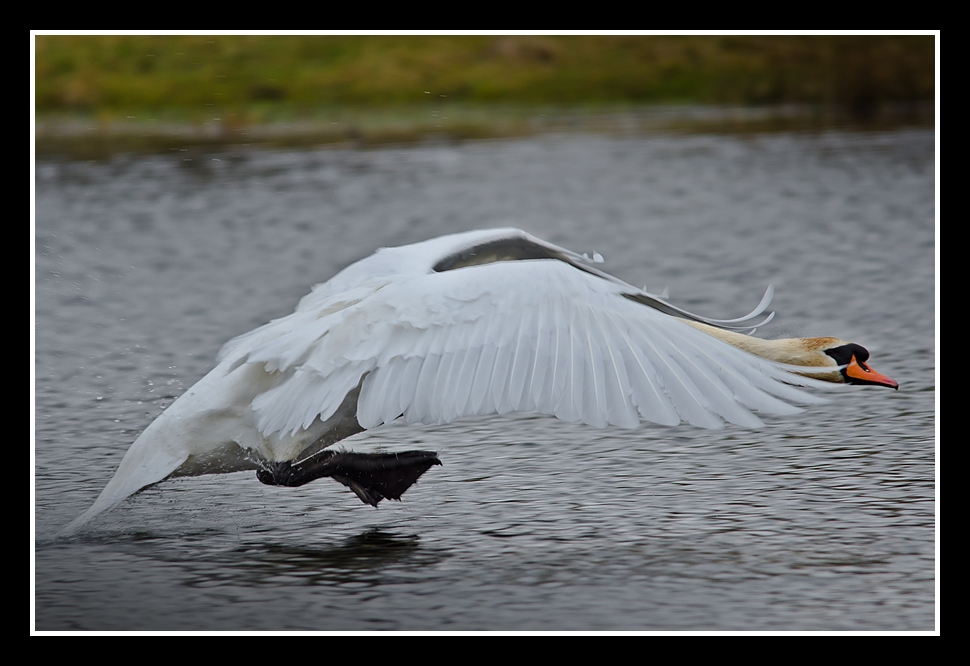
(510, 336)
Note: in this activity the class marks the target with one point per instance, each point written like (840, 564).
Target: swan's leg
(372, 476)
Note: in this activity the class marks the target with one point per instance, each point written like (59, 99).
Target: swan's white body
(477, 336)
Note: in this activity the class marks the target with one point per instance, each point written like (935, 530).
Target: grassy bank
(391, 88)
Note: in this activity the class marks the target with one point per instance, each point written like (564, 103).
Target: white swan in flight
(484, 322)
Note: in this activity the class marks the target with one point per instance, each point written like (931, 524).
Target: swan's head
(853, 359)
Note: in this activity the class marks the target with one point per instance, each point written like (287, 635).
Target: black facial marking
(843, 355)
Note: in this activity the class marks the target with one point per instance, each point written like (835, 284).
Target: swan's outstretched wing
(527, 335)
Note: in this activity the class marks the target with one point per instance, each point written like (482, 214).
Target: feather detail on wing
(528, 335)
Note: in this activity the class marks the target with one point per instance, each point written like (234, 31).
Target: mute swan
(475, 323)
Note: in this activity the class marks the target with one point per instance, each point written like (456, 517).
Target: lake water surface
(822, 521)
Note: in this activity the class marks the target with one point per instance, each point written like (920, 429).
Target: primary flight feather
(484, 322)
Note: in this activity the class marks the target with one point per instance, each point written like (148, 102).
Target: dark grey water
(823, 521)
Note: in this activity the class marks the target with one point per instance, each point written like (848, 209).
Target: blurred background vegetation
(221, 89)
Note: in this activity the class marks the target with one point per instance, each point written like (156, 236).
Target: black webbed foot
(282, 474)
(372, 476)
(377, 476)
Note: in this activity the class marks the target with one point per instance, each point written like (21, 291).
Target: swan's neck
(807, 352)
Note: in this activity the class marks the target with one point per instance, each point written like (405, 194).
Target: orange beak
(863, 374)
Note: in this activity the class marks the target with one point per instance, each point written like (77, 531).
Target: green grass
(487, 85)
(255, 75)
